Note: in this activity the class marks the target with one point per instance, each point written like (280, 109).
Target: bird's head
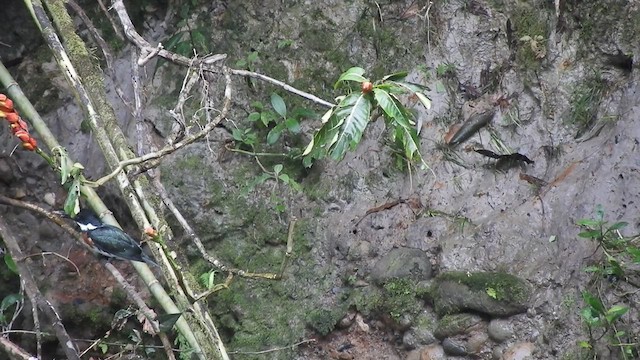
(87, 220)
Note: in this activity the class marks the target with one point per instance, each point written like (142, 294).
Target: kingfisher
(109, 240)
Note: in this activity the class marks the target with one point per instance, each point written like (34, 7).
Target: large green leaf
(166, 321)
(391, 107)
(412, 87)
(396, 76)
(8, 260)
(274, 134)
(416, 89)
(9, 300)
(407, 137)
(319, 145)
(616, 312)
(387, 103)
(353, 116)
(593, 302)
(279, 105)
(72, 203)
(426, 102)
(292, 125)
(618, 226)
(353, 74)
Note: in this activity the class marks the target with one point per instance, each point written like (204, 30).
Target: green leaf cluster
(618, 250)
(595, 314)
(344, 124)
(278, 121)
(71, 178)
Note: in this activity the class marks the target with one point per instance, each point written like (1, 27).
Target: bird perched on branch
(109, 240)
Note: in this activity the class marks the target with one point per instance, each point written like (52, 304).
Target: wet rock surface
(494, 294)
(401, 263)
(476, 218)
(500, 330)
(450, 325)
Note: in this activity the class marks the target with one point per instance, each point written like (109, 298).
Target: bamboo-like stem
(147, 276)
(115, 148)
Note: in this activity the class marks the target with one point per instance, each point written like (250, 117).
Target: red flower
(18, 127)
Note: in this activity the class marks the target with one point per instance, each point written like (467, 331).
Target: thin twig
(94, 32)
(251, 153)
(283, 85)
(116, 28)
(36, 325)
(32, 289)
(306, 341)
(48, 214)
(207, 63)
(58, 255)
(174, 147)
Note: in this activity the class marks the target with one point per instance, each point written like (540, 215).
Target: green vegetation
(396, 298)
(275, 123)
(446, 69)
(12, 303)
(585, 101)
(345, 123)
(599, 20)
(187, 38)
(323, 321)
(530, 26)
(604, 313)
(616, 248)
(399, 298)
(497, 285)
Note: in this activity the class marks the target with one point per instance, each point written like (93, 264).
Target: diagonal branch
(33, 292)
(12, 349)
(171, 148)
(124, 284)
(207, 63)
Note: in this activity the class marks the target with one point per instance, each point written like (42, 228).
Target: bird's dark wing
(488, 153)
(520, 157)
(111, 240)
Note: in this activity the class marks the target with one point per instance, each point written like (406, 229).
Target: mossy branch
(58, 12)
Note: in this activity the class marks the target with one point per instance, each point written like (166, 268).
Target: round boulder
(402, 263)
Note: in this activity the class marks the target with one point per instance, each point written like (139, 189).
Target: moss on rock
(492, 293)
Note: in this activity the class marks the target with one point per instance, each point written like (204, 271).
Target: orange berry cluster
(18, 127)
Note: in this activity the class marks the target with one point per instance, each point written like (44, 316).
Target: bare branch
(58, 255)
(115, 27)
(13, 349)
(33, 292)
(207, 63)
(283, 85)
(306, 341)
(171, 148)
(94, 32)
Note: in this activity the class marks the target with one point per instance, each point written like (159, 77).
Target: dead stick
(32, 289)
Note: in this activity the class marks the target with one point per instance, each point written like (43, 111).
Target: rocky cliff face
(558, 84)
